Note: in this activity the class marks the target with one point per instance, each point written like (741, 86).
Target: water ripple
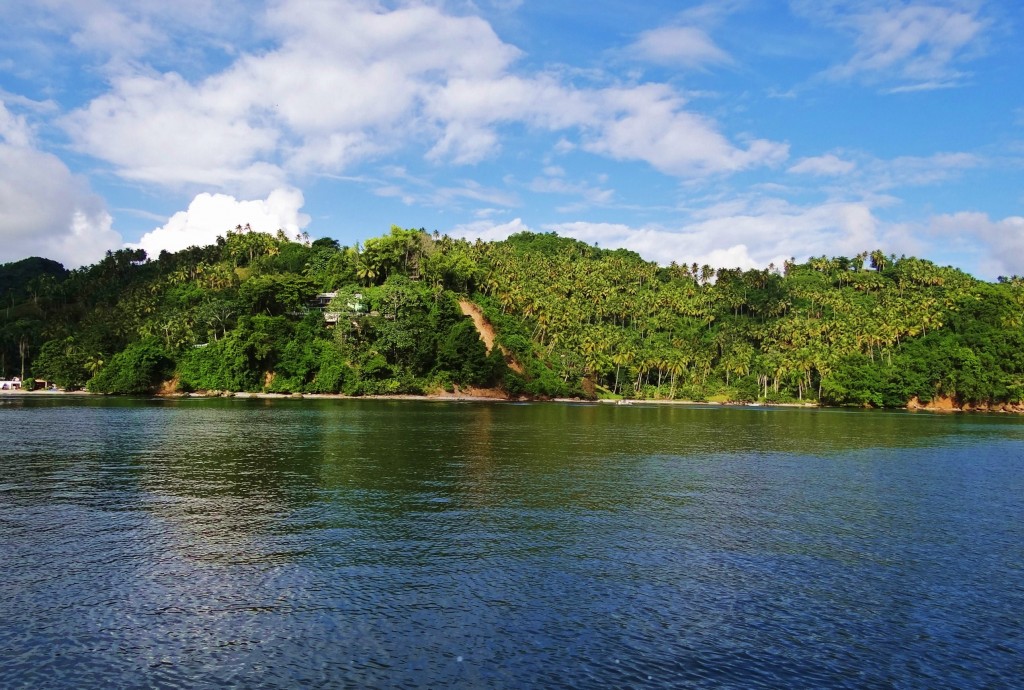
(371, 544)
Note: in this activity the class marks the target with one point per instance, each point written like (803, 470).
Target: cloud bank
(348, 81)
(210, 215)
(45, 210)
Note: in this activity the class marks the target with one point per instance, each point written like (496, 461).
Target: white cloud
(827, 165)
(679, 46)
(123, 31)
(742, 234)
(648, 123)
(752, 233)
(917, 45)
(470, 189)
(163, 130)
(773, 231)
(115, 32)
(464, 143)
(998, 244)
(540, 100)
(488, 231)
(665, 245)
(44, 209)
(210, 215)
(865, 177)
(346, 82)
(349, 81)
(14, 129)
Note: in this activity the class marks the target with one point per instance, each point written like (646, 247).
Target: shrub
(139, 368)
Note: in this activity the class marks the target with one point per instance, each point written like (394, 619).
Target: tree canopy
(868, 330)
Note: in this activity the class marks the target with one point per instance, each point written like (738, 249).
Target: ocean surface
(365, 543)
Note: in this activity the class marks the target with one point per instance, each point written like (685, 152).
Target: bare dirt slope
(486, 331)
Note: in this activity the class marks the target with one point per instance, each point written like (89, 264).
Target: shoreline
(938, 405)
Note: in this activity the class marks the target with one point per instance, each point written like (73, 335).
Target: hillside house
(322, 303)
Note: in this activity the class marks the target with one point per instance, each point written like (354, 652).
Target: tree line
(240, 315)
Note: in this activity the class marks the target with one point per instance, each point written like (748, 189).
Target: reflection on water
(391, 544)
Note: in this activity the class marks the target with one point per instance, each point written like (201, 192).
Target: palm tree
(366, 273)
(620, 359)
(676, 366)
(93, 364)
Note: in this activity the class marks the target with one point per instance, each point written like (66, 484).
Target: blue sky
(735, 133)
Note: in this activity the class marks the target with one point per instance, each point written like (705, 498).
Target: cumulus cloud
(645, 122)
(749, 234)
(753, 233)
(998, 244)
(164, 130)
(266, 115)
(349, 81)
(14, 129)
(45, 210)
(769, 233)
(648, 123)
(210, 215)
(489, 231)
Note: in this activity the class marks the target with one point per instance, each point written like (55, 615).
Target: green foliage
(326, 243)
(545, 383)
(290, 257)
(224, 365)
(550, 244)
(244, 246)
(308, 362)
(855, 382)
(61, 362)
(28, 278)
(276, 294)
(241, 360)
(139, 368)
(452, 266)
(867, 330)
(464, 355)
(332, 370)
(330, 266)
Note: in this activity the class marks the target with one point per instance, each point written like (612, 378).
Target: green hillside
(243, 315)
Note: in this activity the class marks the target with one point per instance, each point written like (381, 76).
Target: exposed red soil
(487, 334)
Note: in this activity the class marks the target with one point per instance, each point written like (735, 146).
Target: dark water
(249, 543)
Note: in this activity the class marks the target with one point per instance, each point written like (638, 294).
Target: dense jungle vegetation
(571, 319)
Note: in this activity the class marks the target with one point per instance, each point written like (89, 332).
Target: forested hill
(243, 315)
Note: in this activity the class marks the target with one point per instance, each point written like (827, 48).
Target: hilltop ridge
(536, 315)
